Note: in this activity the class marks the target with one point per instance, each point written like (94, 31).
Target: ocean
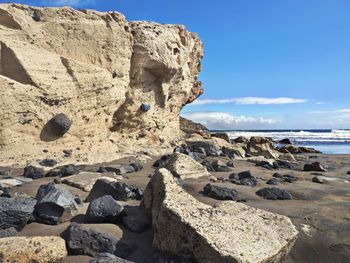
(326, 141)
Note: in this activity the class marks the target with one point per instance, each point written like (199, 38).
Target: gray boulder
(104, 209)
(48, 162)
(8, 232)
(81, 240)
(61, 123)
(55, 204)
(316, 166)
(64, 171)
(15, 212)
(274, 194)
(208, 148)
(120, 191)
(33, 172)
(220, 193)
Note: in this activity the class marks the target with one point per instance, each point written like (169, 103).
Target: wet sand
(321, 212)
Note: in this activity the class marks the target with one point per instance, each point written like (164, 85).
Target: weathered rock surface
(86, 180)
(261, 146)
(227, 233)
(64, 171)
(205, 147)
(8, 232)
(120, 191)
(220, 166)
(55, 204)
(40, 249)
(33, 172)
(10, 182)
(104, 209)
(97, 69)
(48, 162)
(190, 126)
(15, 212)
(185, 167)
(81, 240)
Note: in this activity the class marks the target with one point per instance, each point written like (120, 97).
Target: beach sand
(321, 212)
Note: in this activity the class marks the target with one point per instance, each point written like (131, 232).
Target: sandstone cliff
(98, 69)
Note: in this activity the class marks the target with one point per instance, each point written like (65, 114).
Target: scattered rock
(213, 179)
(316, 166)
(11, 182)
(37, 15)
(348, 173)
(289, 178)
(38, 249)
(55, 204)
(64, 171)
(220, 166)
(120, 191)
(8, 232)
(15, 212)
(135, 224)
(273, 181)
(230, 164)
(184, 226)
(207, 148)
(208, 165)
(84, 241)
(120, 169)
(33, 172)
(145, 107)
(285, 141)
(220, 193)
(68, 152)
(137, 166)
(285, 165)
(86, 180)
(61, 123)
(48, 162)
(267, 165)
(274, 194)
(183, 166)
(104, 209)
(317, 179)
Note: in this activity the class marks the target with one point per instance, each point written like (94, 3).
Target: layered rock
(97, 69)
(232, 232)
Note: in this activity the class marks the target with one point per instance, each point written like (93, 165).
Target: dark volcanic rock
(135, 224)
(48, 162)
(6, 192)
(277, 175)
(61, 123)
(83, 241)
(137, 166)
(145, 107)
(273, 181)
(208, 165)
(207, 148)
(55, 204)
(33, 172)
(289, 178)
(316, 166)
(274, 194)
(285, 164)
(285, 141)
(243, 178)
(161, 161)
(268, 165)
(230, 164)
(104, 209)
(219, 166)
(241, 139)
(160, 257)
(15, 212)
(120, 191)
(64, 171)
(348, 172)
(8, 232)
(220, 193)
(184, 150)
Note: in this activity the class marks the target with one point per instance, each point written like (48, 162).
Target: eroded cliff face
(98, 69)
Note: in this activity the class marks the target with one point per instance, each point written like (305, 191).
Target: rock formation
(101, 72)
(231, 232)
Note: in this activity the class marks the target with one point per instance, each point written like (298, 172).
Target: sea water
(326, 141)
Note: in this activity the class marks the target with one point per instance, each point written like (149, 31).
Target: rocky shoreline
(116, 211)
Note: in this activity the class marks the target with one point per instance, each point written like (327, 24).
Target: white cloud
(320, 103)
(72, 3)
(250, 100)
(332, 111)
(225, 121)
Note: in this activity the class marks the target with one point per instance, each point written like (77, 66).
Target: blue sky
(267, 64)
